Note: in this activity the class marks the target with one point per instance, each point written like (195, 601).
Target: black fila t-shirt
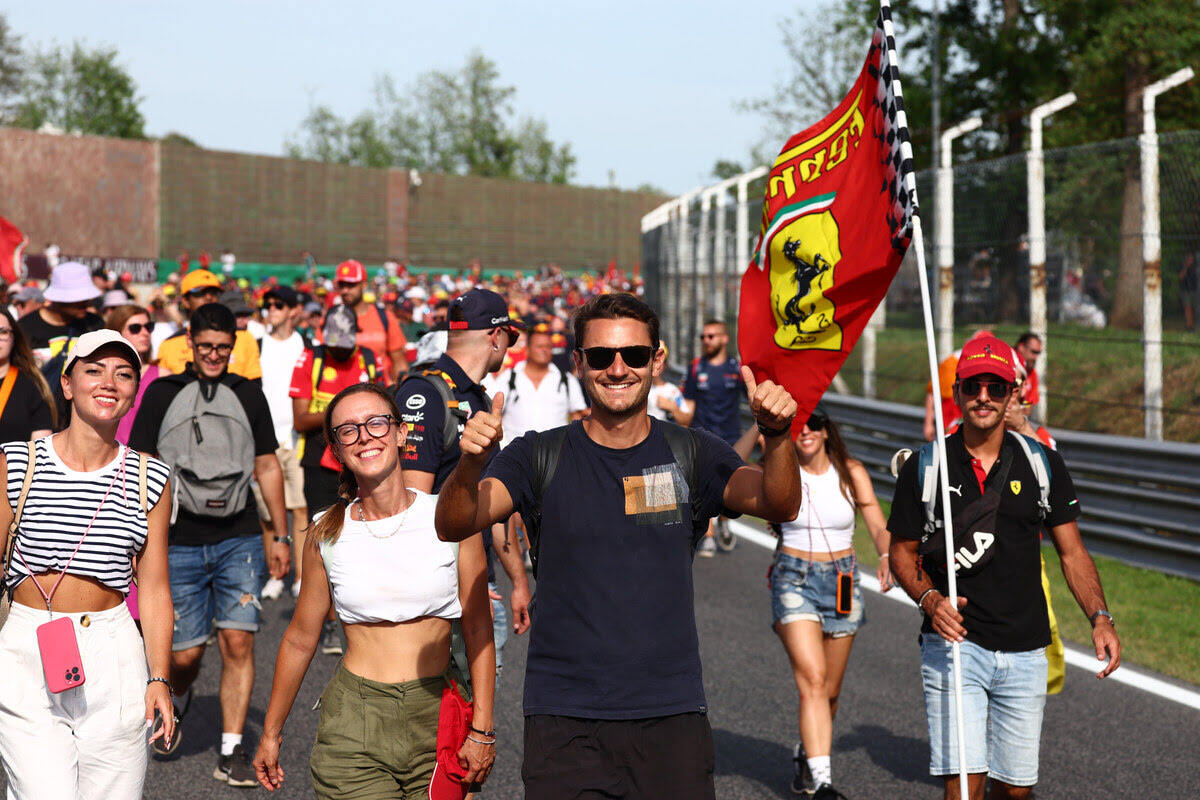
(614, 626)
(1006, 608)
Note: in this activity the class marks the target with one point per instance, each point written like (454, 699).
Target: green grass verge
(1156, 613)
(1094, 377)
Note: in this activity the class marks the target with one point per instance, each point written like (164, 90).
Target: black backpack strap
(512, 384)
(685, 448)
(383, 320)
(547, 447)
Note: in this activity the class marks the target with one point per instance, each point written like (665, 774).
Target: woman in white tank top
(375, 558)
(815, 548)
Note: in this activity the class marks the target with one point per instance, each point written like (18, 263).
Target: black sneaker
(331, 643)
(235, 768)
(802, 781)
(159, 746)
(827, 792)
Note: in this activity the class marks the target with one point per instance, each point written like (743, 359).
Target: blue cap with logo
(481, 310)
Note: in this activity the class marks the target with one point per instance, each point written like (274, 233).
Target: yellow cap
(199, 279)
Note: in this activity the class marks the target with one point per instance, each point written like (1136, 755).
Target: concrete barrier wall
(87, 194)
(119, 198)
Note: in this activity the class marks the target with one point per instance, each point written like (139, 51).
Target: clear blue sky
(644, 88)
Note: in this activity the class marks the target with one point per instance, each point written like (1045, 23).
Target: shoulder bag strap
(16, 520)
(143, 494)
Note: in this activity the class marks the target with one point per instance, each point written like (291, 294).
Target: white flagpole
(918, 243)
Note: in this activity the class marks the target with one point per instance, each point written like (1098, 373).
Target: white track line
(1074, 656)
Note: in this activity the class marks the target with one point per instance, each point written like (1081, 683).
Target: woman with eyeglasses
(27, 408)
(375, 558)
(135, 326)
(816, 602)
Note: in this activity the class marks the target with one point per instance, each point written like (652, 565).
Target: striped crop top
(59, 505)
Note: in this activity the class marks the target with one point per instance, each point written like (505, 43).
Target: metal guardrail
(1140, 499)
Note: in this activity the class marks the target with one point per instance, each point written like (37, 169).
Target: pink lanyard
(48, 597)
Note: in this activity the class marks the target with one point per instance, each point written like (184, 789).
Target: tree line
(459, 121)
(999, 59)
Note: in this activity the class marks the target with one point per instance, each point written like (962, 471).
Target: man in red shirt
(323, 371)
(378, 329)
(1028, 348)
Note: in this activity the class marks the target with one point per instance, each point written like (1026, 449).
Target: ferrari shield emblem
(1015, 486)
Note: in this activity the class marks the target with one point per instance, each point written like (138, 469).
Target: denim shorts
(216, 584)
(802, 589)
(1003, 698)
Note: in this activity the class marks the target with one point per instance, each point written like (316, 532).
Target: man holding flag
(1000, 621)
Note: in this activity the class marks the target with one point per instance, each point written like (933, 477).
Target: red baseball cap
(986, 355)
(350, 271)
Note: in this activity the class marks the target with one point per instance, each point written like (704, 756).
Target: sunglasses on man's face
(635, 356)
(997, 390)
(136, 327)
(273, 305)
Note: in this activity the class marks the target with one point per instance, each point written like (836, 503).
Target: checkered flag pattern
(900, 180)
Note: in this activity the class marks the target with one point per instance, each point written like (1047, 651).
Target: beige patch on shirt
(650, 494)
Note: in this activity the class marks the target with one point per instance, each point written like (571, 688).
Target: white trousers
(88, 742)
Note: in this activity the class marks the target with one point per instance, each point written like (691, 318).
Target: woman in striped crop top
(81, 507)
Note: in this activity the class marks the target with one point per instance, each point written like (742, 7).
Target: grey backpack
(206, 438)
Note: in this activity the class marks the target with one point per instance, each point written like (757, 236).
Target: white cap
(89, 343)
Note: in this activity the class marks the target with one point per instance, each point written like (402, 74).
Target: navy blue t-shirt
(614, 625)
(717, 390)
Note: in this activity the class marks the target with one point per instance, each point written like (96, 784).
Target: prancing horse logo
(803, 257)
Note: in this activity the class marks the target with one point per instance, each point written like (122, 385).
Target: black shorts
(320, 488)
(567, 758)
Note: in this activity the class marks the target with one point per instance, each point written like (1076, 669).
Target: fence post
(720, 284)
(1036, 186)
(944, 206)
(704, 261)
(1152, 258)
(681, 242)
(874, 324)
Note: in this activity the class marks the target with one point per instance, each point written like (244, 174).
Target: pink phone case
(60, 655)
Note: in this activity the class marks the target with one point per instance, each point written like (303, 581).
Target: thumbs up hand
(773, 408)
(484, 430)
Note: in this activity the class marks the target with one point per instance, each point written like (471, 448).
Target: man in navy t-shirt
(614, 699)
(715, 389)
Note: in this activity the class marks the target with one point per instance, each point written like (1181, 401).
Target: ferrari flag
(836, 222)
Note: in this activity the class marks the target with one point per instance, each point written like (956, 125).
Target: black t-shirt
(1006, 609)
(25, 412)
(194, 529)
(614, 625)
(43, 335)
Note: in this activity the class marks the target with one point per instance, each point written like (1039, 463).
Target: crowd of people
(172, 465)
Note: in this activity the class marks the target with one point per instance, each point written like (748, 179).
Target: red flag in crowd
(12, 243)
(836, 222)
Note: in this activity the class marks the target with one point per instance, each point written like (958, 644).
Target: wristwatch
(1102, 613)
(283, 539)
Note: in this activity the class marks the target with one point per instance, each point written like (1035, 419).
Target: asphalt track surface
(1100, 738)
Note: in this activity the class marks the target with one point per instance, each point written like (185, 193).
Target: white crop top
(380, 578)
(823, 505)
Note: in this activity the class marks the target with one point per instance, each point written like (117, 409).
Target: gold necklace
(399, 522)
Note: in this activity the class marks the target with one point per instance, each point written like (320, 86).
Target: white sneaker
(273, 589)
(296, 588)
(707, 547)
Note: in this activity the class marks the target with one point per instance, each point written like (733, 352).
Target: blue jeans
(802, 589)
(216, 584)
(499, 626)
(1003, 698)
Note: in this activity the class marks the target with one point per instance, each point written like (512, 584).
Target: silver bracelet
(921, 599)
(491, 743)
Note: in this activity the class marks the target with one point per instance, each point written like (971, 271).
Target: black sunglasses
(997, 390)
(635, 356)
(817, 422)
(273, 304)
(136, 327)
